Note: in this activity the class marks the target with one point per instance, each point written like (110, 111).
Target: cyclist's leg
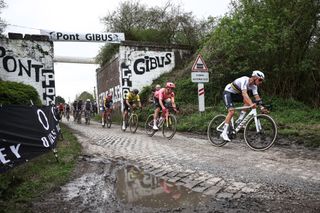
(243, 111)
(103, 117)
(109, 111)
(156, 113)
(228, 101)
(124, 115)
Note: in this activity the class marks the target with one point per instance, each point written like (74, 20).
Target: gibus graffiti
(116, 95)
(140, 68)
(29, 64)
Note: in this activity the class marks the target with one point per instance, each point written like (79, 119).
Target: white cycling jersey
(240, 84)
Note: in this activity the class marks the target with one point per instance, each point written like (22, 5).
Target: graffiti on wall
(116, 94)
(140, 68)
(126, 81)
(24, 68)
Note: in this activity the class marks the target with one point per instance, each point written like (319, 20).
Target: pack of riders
(164, 98)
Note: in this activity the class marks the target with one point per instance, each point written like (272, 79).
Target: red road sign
(199, 65)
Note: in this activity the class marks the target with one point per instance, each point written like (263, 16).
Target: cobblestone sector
(157, 156)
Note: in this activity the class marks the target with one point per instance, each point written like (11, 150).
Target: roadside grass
(22, 184)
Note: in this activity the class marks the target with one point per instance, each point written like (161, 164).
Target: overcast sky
(80, 16)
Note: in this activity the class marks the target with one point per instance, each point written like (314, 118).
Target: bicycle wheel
(86, 118)
(108, 121)
(133, 123)
(169, 127)
(79, 118)
(214, 130)
(262, 138)
(149, 126)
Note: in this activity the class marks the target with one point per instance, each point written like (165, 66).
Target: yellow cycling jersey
(132, 97)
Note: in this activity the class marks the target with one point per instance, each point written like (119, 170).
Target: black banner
(26, 132)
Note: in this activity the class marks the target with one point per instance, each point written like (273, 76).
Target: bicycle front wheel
(149, 126)
(169, 127)
(260, 134)
(133, 123)
(214, 130)
(108, 121)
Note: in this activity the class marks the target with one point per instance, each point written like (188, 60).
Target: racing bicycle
(78, 116)
(259, 130)
(106, 118)
(68, 115)
(87, 116)
(168, 124)
(132, 120)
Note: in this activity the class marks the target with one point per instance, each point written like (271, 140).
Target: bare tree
(2, 21)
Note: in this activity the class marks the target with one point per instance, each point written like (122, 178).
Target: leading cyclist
(237, 91)
(163, 98)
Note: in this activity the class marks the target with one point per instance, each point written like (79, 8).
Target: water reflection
(143, 189)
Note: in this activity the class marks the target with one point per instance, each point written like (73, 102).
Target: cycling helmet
(170, 85)
(88, 99)
(258, 73)
(135, 91)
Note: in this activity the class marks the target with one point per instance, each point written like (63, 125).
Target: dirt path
(125, 172)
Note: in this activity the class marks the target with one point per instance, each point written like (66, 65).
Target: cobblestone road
(231, 171)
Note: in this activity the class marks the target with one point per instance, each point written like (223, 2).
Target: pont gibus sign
(84, 37)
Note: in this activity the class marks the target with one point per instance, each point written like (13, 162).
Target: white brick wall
(140, 68)
(29, 62)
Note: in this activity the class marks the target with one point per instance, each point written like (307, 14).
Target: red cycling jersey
(162, 95)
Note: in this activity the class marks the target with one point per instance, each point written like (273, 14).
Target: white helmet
(258, 74)
(88, 99)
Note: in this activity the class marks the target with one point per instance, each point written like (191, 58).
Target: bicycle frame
(166, 120)
(252, 113)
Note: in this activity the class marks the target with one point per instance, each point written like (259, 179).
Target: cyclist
(61, 108)
(88, 107)
(130, 102)
(79, 110)
(75, 106)
(163, 98)
(237, 91)
(107, 105)
(157, 88)
(67, 111)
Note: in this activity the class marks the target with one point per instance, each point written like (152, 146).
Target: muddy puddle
(135, 187)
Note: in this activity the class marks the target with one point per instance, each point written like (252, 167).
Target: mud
(124, 172)
(114, 185)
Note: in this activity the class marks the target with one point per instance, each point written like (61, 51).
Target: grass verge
(22, 184)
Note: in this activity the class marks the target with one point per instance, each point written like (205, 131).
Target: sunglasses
(260, 79)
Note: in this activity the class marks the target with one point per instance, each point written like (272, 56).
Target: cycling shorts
(229, 98)
(157, 103)
(108, 105)
(126, 106)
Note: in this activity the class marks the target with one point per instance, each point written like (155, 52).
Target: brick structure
(29, 59)
(136, 65)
